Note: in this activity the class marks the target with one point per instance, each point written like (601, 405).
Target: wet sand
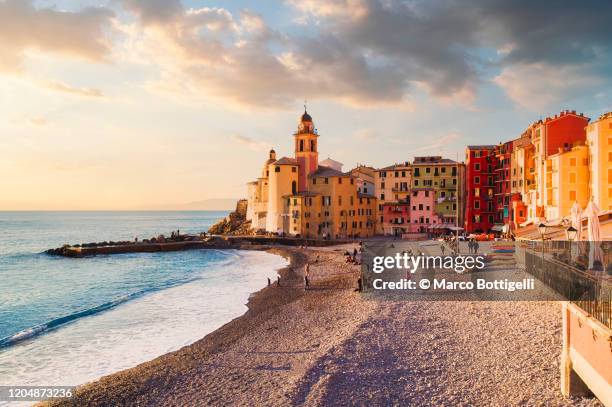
(332, 346)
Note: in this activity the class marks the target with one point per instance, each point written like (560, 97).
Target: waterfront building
(599, 141)
(503, 186)
(567, 180)
(480, 202)
(561, 131)
(391, 185)
(301, 197)
(522, 180)
(446, 177)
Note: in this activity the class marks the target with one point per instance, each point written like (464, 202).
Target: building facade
(300, 197)
(480, 202)
(599, 141)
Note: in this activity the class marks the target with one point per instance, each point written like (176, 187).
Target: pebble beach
(331, 345)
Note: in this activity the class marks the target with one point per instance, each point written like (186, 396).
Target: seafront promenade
(330, 343)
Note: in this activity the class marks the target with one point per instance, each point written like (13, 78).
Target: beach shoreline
(123, 387)
(330, 345)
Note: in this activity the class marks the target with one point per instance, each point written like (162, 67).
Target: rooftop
(286, 161)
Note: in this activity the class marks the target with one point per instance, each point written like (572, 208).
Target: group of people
(473, 246)
(352, 258)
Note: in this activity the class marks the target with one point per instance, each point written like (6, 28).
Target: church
(303, 197)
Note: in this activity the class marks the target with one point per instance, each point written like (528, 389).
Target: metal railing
(591, 291)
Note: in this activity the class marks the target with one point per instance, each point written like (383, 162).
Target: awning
(497, 228)
(526, 223)
(455, 228)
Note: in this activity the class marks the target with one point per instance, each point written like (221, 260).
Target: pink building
(422, 210)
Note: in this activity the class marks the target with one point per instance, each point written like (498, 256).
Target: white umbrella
(594, 235)
(576, 215)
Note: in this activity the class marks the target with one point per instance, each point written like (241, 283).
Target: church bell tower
(306, 152)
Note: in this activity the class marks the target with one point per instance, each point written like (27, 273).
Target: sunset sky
(133, 104)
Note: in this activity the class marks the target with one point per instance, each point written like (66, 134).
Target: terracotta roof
(440, 161)
(286, 161)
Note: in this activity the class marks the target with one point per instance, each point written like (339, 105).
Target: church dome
(306, 117)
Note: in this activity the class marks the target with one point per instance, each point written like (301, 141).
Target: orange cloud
(24, 27)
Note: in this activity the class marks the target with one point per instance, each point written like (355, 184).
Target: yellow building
(300, 197)
(567, 181)
(599, 140)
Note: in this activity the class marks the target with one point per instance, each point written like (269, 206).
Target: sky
(134, 104)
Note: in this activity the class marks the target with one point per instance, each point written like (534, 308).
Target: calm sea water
(67, 321)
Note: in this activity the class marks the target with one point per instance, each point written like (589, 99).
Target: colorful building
(561, 131)
(503, 185)
(480, 202)
(599, 141)
(300, 197)
(567, 181)
(391, 185)
(446, 177)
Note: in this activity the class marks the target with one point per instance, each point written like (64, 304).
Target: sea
(65, 322)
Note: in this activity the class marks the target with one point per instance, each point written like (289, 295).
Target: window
(573, 161)
(396, 174)
(277, 169)
(572, 196)
(312, 145)
(339, 200)
(572, 177)
(294, 190)
(443, 170)
(476, 180)
(382, 185)
(339, 180)
(314, 181)
(420, 207)
(426, 194)
(403, 173)
(476, 204)
(477, 167)
(476, 192)
(301, 145)
(326, 180)
(293, 169)
(416, 182)
(416, 172)
(427, 170)
(490, 218)
(382, 197)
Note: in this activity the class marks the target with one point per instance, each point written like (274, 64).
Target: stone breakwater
(184, 242)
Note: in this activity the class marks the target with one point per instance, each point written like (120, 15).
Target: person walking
(476, 247)
(306, 273)
(442, 248)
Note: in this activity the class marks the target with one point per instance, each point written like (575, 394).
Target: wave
(37, 330)
(227, 258)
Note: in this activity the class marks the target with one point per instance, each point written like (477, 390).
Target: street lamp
(542, 230)
(571, 233)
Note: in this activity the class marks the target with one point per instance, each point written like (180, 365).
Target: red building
(396, 217)
(480, 203)
(503, 190)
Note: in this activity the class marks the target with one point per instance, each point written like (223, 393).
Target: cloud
(24, 27)
(365, 52)
(538, 86)
(249, 142)
(62, 87)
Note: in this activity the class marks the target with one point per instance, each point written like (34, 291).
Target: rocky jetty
(235, 223)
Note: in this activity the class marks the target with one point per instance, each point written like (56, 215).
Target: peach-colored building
(599, 141)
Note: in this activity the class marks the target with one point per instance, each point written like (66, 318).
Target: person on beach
(306, 283)
(442, 248)
(476, 247)
(278, 281)
(269, 282)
